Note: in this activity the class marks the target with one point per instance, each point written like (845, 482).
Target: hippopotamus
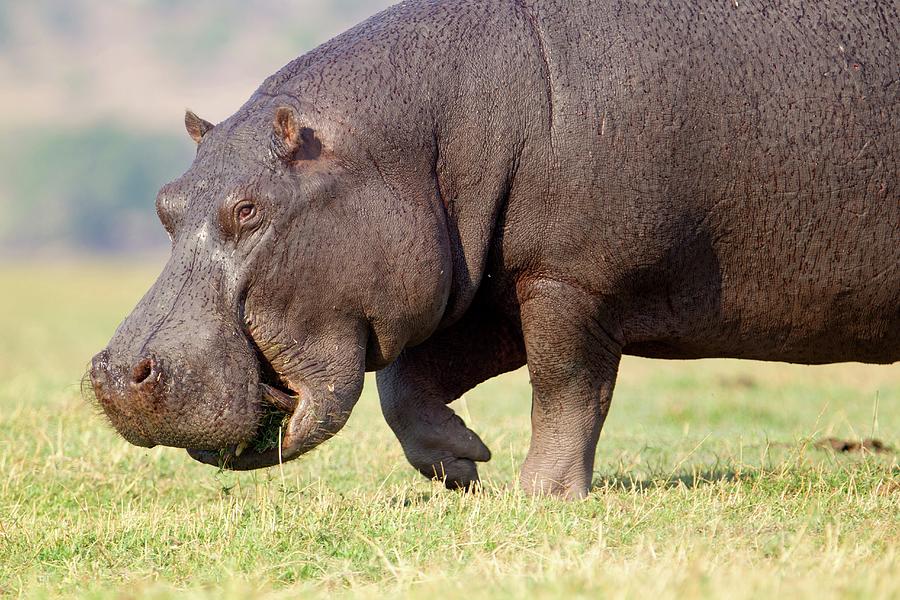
(456, 188)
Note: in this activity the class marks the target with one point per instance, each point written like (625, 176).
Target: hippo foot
(551, 474)
(456, 473)
(446, 451)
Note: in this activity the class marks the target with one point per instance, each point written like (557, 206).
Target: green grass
(707, 484)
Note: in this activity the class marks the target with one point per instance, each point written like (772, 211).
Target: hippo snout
(142, 378)
(124, 392)
(175, 398)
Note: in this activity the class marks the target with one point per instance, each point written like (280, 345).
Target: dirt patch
(872, 445)
(739, 382)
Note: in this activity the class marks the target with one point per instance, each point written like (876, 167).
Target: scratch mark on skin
(538, 36)
(862, 150)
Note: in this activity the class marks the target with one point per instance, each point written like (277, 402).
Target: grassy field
(707, 483)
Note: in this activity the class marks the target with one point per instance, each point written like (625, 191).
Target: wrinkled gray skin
(456, 188)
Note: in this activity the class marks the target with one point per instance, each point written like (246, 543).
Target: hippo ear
(196, 127)
(291, 141)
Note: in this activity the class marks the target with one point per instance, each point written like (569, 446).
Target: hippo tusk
(240, 448)
(286, 403)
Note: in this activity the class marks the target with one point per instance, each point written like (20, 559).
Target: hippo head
(297, 263)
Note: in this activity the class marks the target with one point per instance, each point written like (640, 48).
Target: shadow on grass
(688, 480)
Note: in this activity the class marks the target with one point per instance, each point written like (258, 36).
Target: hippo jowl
(457, 188)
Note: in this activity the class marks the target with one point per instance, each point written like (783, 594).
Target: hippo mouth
(279, 403)
(278, 436)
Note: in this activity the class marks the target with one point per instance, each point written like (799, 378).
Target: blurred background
(92, 96)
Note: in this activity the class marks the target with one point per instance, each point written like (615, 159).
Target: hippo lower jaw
(311, 418)
(246, 455)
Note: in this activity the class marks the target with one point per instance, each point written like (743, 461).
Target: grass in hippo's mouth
(280, 401)
(271, 430)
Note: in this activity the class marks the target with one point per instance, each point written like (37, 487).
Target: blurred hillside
(92, 96)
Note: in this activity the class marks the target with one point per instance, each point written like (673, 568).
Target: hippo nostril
(142, 371)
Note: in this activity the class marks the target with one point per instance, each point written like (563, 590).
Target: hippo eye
(246, 211)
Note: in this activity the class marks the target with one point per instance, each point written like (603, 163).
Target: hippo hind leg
(573, 361)
(416, 388)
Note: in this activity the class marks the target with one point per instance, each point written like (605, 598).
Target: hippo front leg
(573, 359)
(416, 388)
